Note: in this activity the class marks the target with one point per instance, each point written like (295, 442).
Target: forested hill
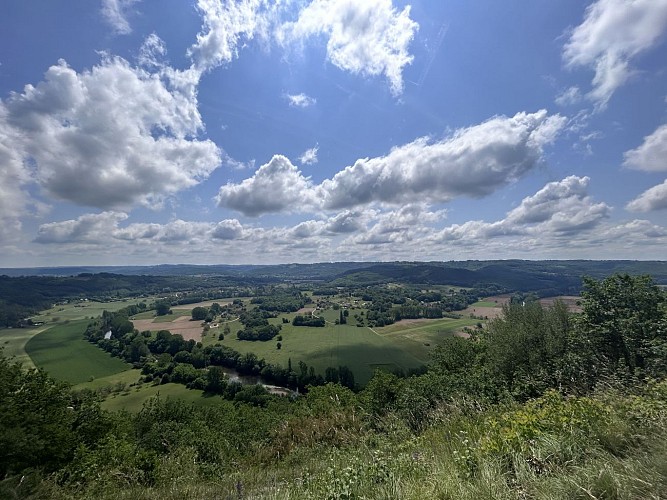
(544, 277)
(23, 291)
(466, 273)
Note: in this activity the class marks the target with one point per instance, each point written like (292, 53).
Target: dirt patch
(483, 312)
(208, 303)
(181, 326)
(306, 310)
(569, 300)
(408, 322)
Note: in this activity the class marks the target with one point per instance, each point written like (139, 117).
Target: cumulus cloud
(115, 14)
(346, 222)
(559, 209)
(109, 137)
(227, 23)
(88, 228)
(228, 229)
(474, 161)
(275, 187)
(612, 34)
(654, 198)
(651, 156)
(369, 38)
(104, 229)
(399, 226)
(309, 156)
(300, 100)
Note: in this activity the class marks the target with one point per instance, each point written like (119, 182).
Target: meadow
(132, 399)
(63, 352)
(399, 347)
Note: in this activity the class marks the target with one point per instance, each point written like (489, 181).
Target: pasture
(63, 352)
(84, 309)
(133, 398)
(419, 337)
(13, 341)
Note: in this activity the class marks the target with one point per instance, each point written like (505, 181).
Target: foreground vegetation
(539, 404)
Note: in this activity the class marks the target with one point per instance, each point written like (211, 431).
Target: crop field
(66, 355)
(179, 324)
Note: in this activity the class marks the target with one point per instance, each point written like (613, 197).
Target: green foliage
(199, 313)
(624, 321)
(35, 420)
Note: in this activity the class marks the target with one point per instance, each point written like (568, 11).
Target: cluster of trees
(387, 305)
(281, 300)
(309, 320)
(256, 326)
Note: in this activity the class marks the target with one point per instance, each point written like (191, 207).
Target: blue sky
(210, 131)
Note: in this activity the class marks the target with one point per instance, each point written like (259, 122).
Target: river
(235, 376)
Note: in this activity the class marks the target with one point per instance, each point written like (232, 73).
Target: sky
(259, 132)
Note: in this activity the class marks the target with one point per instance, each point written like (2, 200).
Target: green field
(360, 349)
(13, 341)
(126, 377)
(413, 337)
(133, 399)
(83, 309)
(484, 303)
(66, 355)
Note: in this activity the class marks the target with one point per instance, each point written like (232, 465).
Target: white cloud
(228, 229)
(346, 222)
(654, 198)
(559, 209)
(651, 156)
(300, 100)
(227, 23)
(474, 161)
(109, 137)
(569, 96)
(152, 52)
(309, 156)
(275, 187)
(403, 225)
(611, 35)
(369, 38)
(88, 228)
(115, 13)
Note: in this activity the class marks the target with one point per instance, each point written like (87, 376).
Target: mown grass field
(13, 341)
(66, 355)
(126, 377)
(134, 398)
(419, 338)
(84, 309)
